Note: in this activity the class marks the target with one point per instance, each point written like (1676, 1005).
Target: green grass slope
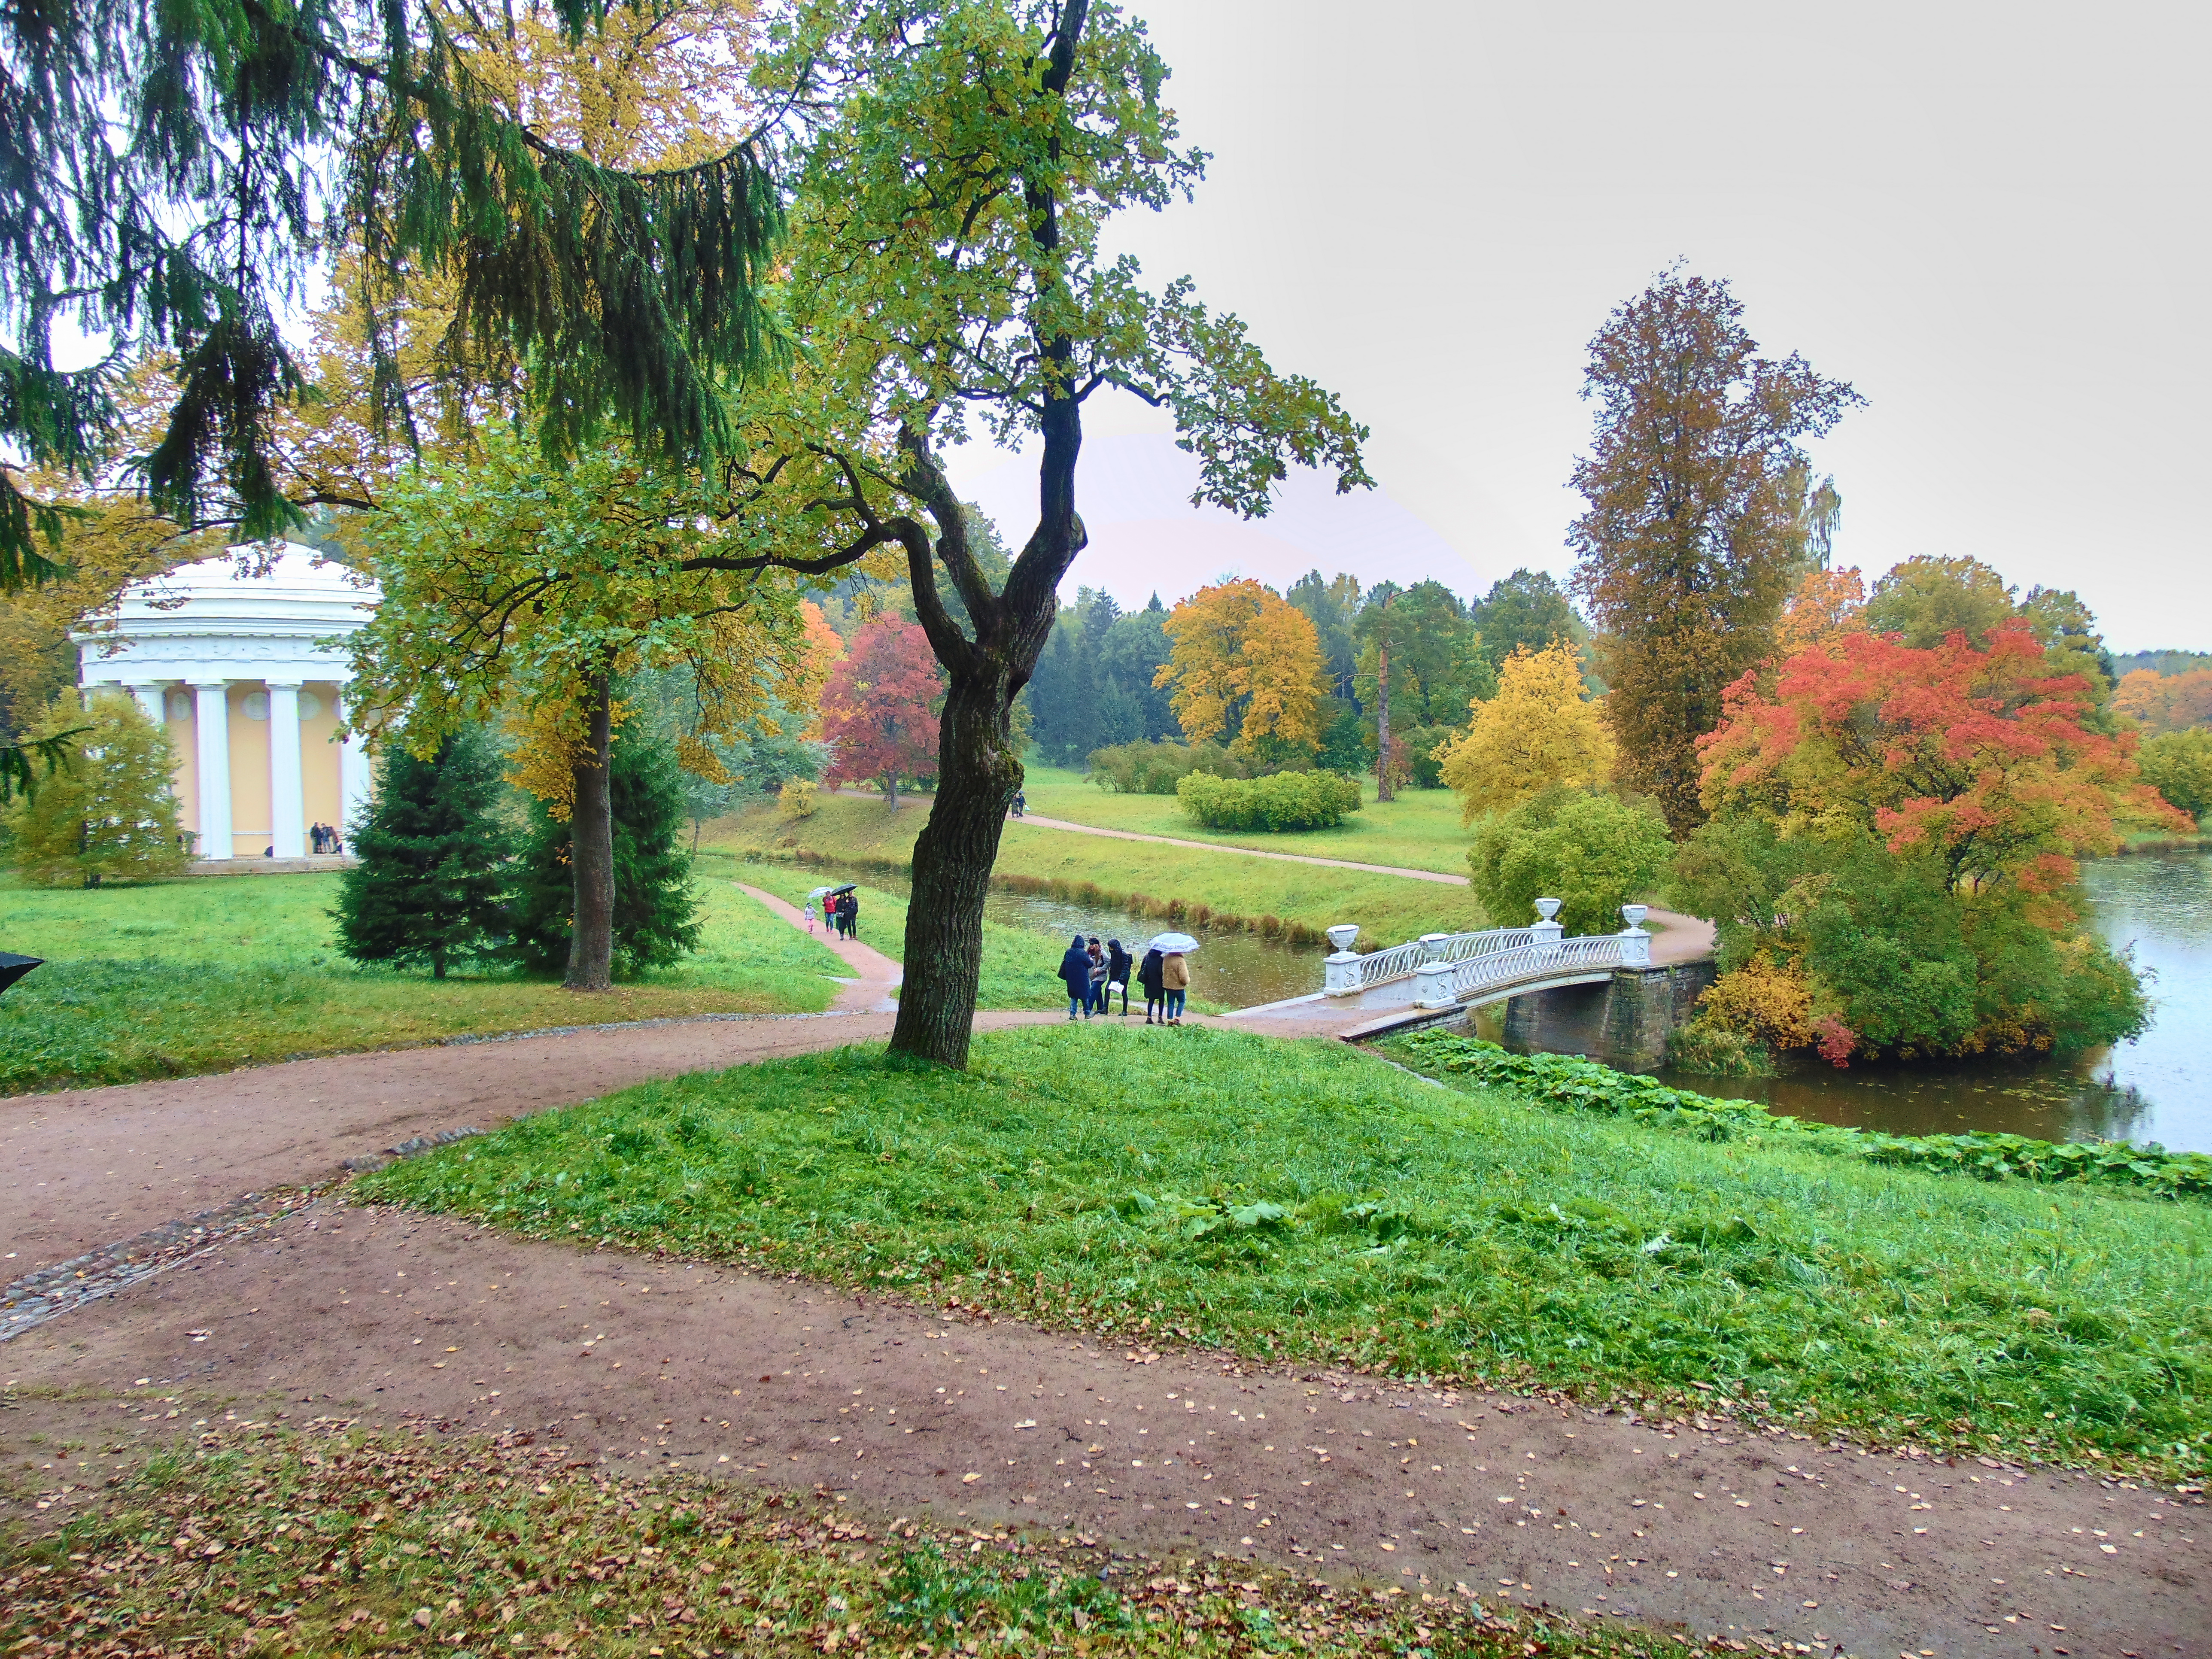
(1305, 1201)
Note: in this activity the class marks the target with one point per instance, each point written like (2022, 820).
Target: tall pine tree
(656, 914)
(432, 851)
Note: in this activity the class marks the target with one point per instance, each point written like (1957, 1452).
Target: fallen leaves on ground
(329, 1540)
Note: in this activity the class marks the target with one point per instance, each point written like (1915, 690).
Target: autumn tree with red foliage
(1901, 827)
(879, 710)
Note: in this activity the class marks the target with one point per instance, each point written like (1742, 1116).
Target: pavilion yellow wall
(318, 756)
(249, 775)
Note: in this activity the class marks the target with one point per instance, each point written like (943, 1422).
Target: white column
(287, 811)
(151, 699)
(353, 776)
(211, 725)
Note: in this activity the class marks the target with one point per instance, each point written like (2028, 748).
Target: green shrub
(1155, 768)
(1288, 800)
(2178, 765)
(1592, 852)
(1423, 769)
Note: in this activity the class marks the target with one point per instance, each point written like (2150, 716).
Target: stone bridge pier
(1623, 1022)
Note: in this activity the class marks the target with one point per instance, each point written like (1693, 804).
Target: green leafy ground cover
(328, 1541)
(1573, 1083)
(1303, 1201)
(1267, 895)
(170, 979)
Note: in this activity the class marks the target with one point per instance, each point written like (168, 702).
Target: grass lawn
(330, 1542)
(173, 978)
(1419, 831)
(1305, 1201)
(1312, 897)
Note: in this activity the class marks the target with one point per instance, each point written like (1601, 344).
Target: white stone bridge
(1444, 977)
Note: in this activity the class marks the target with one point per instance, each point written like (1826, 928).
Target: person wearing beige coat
(1175, 979)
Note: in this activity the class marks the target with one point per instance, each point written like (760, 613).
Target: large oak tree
(1701, 517)
(947, 272)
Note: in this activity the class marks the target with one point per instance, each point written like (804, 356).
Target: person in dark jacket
(1148, 975)
(1118, 963)
(1075, 974)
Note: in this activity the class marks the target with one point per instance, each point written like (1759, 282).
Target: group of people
(1092, 975)
(324, 838)
(840, 914)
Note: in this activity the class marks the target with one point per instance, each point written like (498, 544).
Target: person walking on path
(852, 913)
(1096, 1001)
(829, 911)
(1148, 975)
(1175, 976)
(1075, 974)
(1118, 963)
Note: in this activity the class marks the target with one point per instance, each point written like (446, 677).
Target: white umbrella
(818, 892)
(1173, 943)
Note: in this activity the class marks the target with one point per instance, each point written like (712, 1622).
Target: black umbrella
(847, 888)
(13, 967)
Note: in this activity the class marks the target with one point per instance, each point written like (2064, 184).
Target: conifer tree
(655, 911)
(105, 811)
(433, 856)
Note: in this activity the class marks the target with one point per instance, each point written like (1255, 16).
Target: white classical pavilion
(234, 656)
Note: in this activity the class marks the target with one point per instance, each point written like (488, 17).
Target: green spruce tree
(433, 851)
(656, 915)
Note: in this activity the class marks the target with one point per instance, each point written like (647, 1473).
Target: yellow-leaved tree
(1245, 660)
(1540, 731)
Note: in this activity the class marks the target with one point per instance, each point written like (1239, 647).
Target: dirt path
(83, 1168)
(874, 975)
(654, 1364)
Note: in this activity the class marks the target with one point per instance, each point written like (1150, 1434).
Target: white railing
(1452, 966)
(1379, 967)
(1535, 961)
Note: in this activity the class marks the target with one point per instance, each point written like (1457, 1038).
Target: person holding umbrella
(1075, 974)
(1175, 972)
(814, 904)
(1148, 975)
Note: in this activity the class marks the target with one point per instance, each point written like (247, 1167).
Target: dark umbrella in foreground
(13, 967)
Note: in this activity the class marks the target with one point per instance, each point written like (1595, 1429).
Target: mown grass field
(174, 978)
(853, 829)
(1419, 831)
(324, 1542)
(1306, 1201)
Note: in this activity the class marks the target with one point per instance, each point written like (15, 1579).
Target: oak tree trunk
(592, 849)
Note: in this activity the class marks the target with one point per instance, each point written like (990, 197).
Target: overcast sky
(1992, 219)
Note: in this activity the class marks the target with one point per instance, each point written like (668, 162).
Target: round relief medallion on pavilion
(255, 705)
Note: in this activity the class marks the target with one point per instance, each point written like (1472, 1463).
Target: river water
(2157, 1088)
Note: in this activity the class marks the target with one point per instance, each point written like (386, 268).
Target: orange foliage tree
(1243, 659)
(2167, 702)
(1977, 756)
(880, 709)
(1894, 832)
